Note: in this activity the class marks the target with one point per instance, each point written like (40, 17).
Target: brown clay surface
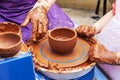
(10, 44)
(62, 40)
(23, 49)
(9, 27)
(76, 57)
(8, 40)
(55, 67)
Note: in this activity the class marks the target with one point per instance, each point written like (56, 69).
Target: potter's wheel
(76, 57)
(70, 66)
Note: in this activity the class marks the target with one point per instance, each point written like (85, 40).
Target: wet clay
(9, 27)
(54, 66)
(62, 40)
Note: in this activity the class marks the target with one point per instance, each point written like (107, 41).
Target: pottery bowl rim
(66, 75)
(14, 45)
(67, 72)
(74, 36)
(10, 23)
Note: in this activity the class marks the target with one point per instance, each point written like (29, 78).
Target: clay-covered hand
(86, 31)
(99, 53)
(39, 21)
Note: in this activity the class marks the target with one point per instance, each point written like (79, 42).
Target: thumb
(26, 21)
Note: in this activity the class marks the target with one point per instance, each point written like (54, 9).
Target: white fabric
(110, 35)
(110, 38)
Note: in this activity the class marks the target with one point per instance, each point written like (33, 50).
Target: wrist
(96, 29)
(117, 58)
(40, 3)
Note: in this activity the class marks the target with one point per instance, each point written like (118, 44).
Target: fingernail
(34, 40)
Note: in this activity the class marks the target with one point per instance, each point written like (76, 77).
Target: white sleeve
(118, 9)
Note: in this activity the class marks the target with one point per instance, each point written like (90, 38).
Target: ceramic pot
(62, 40)
(10, 27)
(10, 44)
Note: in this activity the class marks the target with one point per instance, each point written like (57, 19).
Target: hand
(99, 53)
(39, 21)
(86, 31)
(114, 8)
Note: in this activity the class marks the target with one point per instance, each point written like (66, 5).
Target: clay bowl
(10, 27)
(62, 40)
(10, 44)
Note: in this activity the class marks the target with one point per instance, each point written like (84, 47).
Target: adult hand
(99, 53)
(86, 31)
(39, 21)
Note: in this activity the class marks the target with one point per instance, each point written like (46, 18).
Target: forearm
(50, 2)
(100, 24)
(117, 58)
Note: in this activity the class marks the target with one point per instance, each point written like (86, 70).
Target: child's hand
(86, 31)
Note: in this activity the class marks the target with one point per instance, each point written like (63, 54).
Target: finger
(26, 21)
(77, 29)
(92, 32)
(34, 30)
(40, 28)
(81, 29)
(86, 29)
(45, 28)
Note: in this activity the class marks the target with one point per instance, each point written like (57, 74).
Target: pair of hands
(38, 18)
(98, 52)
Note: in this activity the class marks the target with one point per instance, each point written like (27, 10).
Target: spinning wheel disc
(76, 57)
